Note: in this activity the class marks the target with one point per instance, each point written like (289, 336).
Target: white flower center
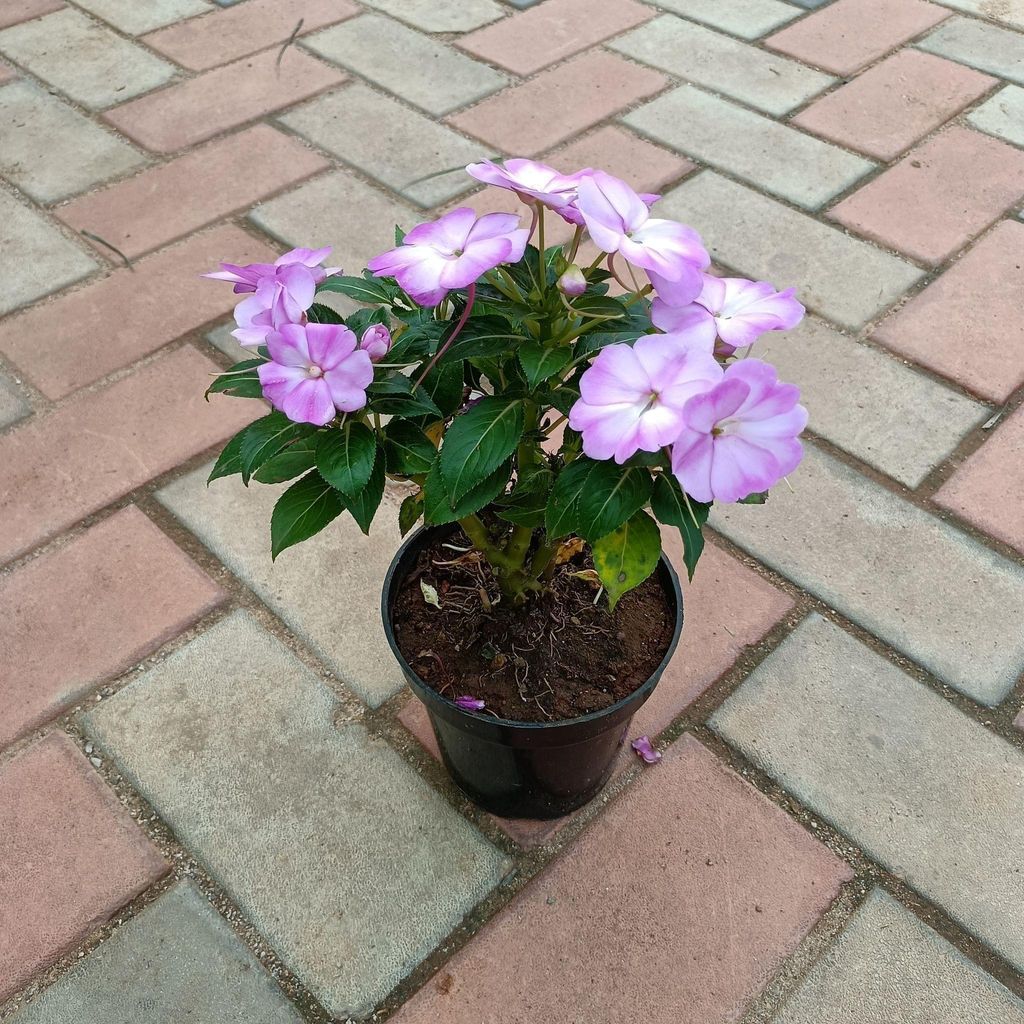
(315, 371)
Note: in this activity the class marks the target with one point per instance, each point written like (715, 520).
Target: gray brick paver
(979, 44)
(403, 147)
(888, 967)
(339, 853)
(1002, 114)
(767, 81)
(916, 582)
(842, 278)
(758, 149)
(84, 58)
(177, 961)
(423, 71)
(925, 790)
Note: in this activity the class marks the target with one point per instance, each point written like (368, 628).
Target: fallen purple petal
(643, 748)
(467, 703)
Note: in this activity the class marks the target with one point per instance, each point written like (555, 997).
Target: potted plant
(542, 427)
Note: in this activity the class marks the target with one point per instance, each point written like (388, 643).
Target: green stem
(575, 246)
(541, 265)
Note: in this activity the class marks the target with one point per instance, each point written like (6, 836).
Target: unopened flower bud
(376, 341)
(572, 282)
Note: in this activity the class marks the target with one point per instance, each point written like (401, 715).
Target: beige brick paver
(868, 153)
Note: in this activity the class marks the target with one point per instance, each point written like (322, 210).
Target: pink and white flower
(740, 437)
(619, 221)
(632, 396)
(451, 252)
(532, 181)
(732, 309)
(315, 372)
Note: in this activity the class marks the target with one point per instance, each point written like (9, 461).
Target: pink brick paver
(848, 34)
(86, 334)
(893, 104)
(159, 205)
(7, 74)
(559, 102)
(552, 31)
(70, 857)
(12, 12)
(233, 32)
(226, 97)
(723, 592)
(941, 194)
(101, 444)
(89, 610)
(675, 908)
(969, 324)
(986, 490)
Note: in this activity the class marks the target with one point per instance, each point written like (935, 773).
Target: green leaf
(757, 498)
(594, 341)
(240, 381)
(302, 511)
(407, 450)
(229, 461)
(599, 305)
(318, 313)
(528, 502)
(358, 321)
(287, 464)
(444, 385)
(478, 441)
(561, 517)
(482, 337)
(418, 340)
(396, 396)
(264, 438)
(613, 493)
(625, 557)
(345, 457)
(539, 362)
(409, 513)
(669, 505)
(371, 292)
(364, 505)
(438, 506)
(399, 236)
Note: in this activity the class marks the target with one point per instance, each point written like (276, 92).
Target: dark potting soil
(557, 657)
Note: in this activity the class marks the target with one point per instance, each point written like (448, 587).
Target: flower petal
(309, 401)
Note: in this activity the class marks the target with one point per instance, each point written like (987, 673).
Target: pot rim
(673, 590)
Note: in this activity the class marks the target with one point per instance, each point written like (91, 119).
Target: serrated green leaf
(669, 505)
(397, 396)
(318, 313)
(409, 513)
(407, 450)
(399, 236)
(264, 438)
(438, 506)
(297, 458)
(613, 493)
(364, 505)
(302, 511)
(757, 498)
(478, 441)
(358, 321)
(345, 457)
(444, 385)
(594, 341)
(371, 292)
(482, 337)
(527, 504)
(229, 461)
(625, 557)
(239, 381)
(561, 517)
(539, 362)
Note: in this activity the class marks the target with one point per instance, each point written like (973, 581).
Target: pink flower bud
(572, 282)
(376, 341)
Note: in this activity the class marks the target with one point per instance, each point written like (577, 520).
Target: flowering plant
(513, 393)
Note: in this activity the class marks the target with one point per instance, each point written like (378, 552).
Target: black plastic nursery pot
(524, 769)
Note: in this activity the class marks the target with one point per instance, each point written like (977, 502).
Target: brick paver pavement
(217, 800)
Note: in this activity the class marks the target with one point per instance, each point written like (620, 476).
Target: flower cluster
(478, 343)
